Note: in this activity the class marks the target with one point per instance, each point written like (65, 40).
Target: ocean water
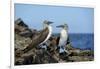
(82, 41)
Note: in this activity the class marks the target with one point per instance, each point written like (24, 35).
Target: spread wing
(37, 39)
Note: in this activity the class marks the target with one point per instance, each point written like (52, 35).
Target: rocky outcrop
(23, 37)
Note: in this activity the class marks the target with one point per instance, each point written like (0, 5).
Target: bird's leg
(43, 46)
(62, 47)
(61, 50)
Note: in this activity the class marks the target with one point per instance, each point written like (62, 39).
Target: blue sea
(82, 41)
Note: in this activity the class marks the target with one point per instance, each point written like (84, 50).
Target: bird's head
(64, 26)
(46, 23)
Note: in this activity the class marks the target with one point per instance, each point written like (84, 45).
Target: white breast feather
(63, 37)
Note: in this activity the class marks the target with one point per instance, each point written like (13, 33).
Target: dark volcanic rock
(23, 30)
(20, 22)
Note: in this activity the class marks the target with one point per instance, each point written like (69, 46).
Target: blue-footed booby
(42, 36)
(49, 27)
(63, 38)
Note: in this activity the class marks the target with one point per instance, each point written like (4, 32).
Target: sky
(79, 19)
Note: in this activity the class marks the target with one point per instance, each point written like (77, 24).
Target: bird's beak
(60, 26)
(50, 22)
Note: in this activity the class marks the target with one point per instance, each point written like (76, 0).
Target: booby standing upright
(63, 38)
(49, 27)
(41, 37)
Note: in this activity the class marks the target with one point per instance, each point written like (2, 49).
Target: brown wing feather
(36, 40)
